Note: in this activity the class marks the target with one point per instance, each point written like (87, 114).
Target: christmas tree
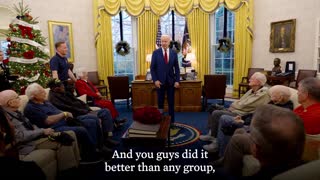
(28, 57)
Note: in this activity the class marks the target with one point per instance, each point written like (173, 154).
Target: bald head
(6, 96)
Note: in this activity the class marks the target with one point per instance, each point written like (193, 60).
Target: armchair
(119, 88)
(214, 88)
(98, 83)
(302, 74)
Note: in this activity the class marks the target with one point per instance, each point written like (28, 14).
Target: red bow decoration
(5, 61)
(26, 31)
(147, 115)
(28, 54)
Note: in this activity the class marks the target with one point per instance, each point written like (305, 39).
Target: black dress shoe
(105, 149)
(110, 142)
(121, 121)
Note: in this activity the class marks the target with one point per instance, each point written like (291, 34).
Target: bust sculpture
(277, 68)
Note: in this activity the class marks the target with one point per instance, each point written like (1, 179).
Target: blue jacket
(163, 72)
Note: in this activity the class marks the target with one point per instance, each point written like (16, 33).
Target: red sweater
(310, 117)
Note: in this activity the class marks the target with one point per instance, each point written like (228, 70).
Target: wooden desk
(161, 140)
(279, 80)
(187, 97)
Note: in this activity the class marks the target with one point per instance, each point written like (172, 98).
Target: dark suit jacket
(4, 77)
(165, 73)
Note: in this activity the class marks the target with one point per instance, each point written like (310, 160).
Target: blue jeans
(92, 124)
(83, 137)
(106, 118)
(223, 139)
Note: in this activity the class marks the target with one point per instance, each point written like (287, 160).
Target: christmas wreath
(123, 48)
(175, 45)
(224, 45)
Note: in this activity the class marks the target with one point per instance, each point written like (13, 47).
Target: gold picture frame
(61, 31)
(282, 36)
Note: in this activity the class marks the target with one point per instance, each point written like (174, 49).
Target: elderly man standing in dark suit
(165, 73)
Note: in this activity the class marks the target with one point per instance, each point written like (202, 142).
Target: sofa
(45, 158)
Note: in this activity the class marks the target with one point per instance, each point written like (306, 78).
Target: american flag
(158, 41)
(186, 35)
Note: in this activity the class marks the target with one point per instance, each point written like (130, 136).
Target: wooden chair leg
(239, 91)
(203, 105)
(128, 103)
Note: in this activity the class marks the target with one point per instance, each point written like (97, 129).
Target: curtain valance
(161, 7)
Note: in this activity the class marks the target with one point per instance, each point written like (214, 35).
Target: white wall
(78, 12)
(305, 12)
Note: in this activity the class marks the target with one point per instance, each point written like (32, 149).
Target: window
(4, 47)
(123, 65)
(223, 62)
(179, 27)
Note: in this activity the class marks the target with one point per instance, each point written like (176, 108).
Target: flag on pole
(158, 41)
(186, 38)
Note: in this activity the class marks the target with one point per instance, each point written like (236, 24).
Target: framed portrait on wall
(282, 36)
(61, 31)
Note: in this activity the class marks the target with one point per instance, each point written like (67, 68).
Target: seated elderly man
(43, 114)
(309, 98)
(257, 95)
(276, 140)
(10, 164)
(280, 96)
(66, 101)
(29, 137)
(84, 86)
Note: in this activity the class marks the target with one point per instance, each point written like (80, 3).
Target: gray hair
(32, 90)
(165, 36)
(311, 85)
(81, 71)
(260, 77)
(283, 91)
(277, 131)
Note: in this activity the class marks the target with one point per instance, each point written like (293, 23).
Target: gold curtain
(103, 36)
(161, 7)
(195, 10)
(200, 41)
(243, 44)
(147, 34)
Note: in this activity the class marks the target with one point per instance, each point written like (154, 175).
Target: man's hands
(176, 85)
(157, 84)
(48, 131)
(67, 114)
(238, 119)
(99, 95)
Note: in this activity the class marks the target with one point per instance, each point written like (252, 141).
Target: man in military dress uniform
(4, 74)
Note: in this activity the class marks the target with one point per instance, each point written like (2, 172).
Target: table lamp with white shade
(148, 59)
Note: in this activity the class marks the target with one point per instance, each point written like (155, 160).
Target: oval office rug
(183, 134)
